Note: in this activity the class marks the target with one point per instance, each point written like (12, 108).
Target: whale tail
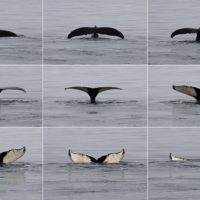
(188, 90)
(92, 92)
(4, 33)
(95, 31)
(106, 159)
(186, 31)
(175, 158)
(80, 158)
(112, 158)
(12, 155)
(12, 88)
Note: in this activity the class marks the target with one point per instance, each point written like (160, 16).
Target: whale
(12, 155)
(175, 158)
(4, 33)
(111, 158)
(12, 88)
(188, 90)
(187, 31)
(92, 92)
(95, 31)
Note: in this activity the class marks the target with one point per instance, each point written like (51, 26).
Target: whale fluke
(188, 90)
(175, 158)
(187, 30)
(92, 92)
(112, 157)
(11, 155)
(95, 31)
(12, 88)
(80, 158)
(106, 159)
(4, 33)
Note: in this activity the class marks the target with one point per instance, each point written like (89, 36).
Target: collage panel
(95, 32)
(174, 96)
(21, 96)
(174, 32)
(95, 96)
(21, 32)
(83, 163)
(174, 163)
(21, 163)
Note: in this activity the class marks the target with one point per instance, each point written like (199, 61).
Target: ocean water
(168, 107)
(23, 17)
(23, 178)
(66, 180)
(174, 180)
(126, 107)
(18, 108)
(128, 16)
(164, 18)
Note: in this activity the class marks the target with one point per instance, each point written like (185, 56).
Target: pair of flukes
(111, 158)
(12, 155)
(186, 31)
(95, 31)
(93, 92)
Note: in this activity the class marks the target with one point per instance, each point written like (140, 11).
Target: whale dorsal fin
(112, 158)
(12, 155)
(12, 88)
(80, 158)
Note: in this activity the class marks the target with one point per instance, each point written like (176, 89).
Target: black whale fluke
(93, 92)
(187, 31)
(95, 31)
(12, 88)
(188, 90)
(4, 33)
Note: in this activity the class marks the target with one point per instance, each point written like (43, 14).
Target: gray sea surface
(23, 178)
(24, 18)
(16, 107)
(164, 18)
(128, 16)
(173, 180)
(126, 107)
(66, 180)
(168, 107)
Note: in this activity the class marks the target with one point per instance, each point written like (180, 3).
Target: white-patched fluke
(110, 158)
(4, 33)
(175, 158)
(187, 30)
(93, 92)
(11, 155)
(95, 31)
(12, 88)
(188, 90)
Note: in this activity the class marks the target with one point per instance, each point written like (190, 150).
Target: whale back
(4, 33)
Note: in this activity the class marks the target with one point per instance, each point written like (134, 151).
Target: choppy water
(174, 180)
(164, 18)
(126, 107)
(168, 107)
(18, 108)
(23, 17)
(128, 16)
(22, 179)
(65, 180)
